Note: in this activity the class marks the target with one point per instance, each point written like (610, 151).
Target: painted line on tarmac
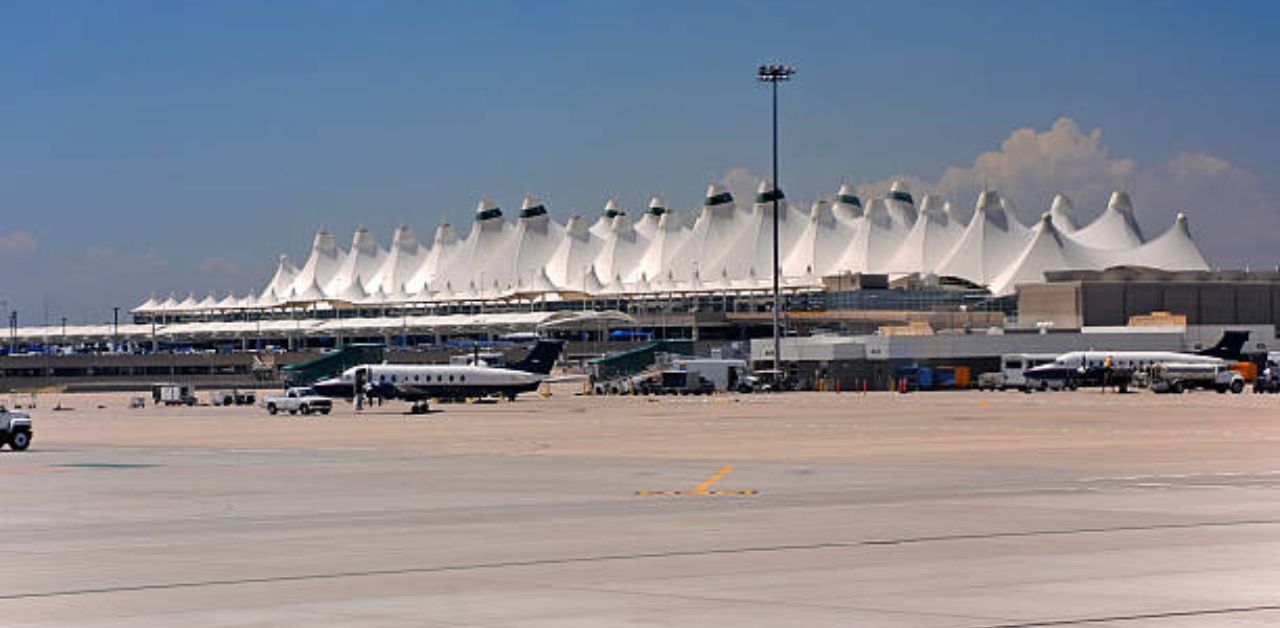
(728, 551)
(1111, 619)
(701, 490)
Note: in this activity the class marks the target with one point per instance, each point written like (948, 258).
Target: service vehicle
(724, 374)
(298, 400)
(232, 398)
(1269, 376)
(15, 429)
(1013, 368)
(680, 382)
(173, 394)
(1174, 377)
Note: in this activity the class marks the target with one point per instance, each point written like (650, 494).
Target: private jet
(417, 383)
(1116, 368)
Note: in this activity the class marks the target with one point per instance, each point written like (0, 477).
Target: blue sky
(182, 145)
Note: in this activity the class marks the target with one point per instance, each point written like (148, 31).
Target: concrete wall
(1056, 303)
(1073, 304)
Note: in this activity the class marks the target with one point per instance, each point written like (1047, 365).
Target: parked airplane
(417, 383)
(1095, 368)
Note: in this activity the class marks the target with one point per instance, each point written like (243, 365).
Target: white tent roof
(362, 262)
(1063, 214)
(188, 304)
(208, 303)
(353, 292)
(605, 222)
(270, 299)
(283, 278)
(229, 302)
(713, 233)
(847, 204)
(574, 254)
(591, 282)
(438, 256)
(146, 307)
(753, 248)
(309, 294)
(168, 304)
(484, 256)
(876, 239)
(666, 244)
(1172, 250)
(402, 260)
(719, 248)
(1116, 228)
(929, 240)
(534, 240)
(647, 225)
(990, 243)
(1046, 250)
(622, 249)
(321, 265)
(901, 204)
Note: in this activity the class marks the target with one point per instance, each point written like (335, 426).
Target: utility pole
(774, 74)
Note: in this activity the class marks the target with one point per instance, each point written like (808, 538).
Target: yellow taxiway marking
(703, 488)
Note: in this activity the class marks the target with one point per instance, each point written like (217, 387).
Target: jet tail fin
(541, 358)
(1229, 347)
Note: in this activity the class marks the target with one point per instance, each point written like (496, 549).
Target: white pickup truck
(15, 429)
(297, 400)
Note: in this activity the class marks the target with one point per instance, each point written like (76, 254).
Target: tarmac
(963, 509)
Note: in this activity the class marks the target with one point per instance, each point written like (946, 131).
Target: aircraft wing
(560, 379)
(409, 392)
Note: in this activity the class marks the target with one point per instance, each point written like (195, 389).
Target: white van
(1013, 365)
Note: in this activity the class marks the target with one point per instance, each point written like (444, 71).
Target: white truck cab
(15, 429)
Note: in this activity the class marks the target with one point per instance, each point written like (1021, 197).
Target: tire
(20, 440)
(324, 411)
(271, 409)
(304, 409)
(1176, 388)
(294, 411)
(1237, 387)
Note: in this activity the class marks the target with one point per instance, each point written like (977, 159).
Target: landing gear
(418, 407)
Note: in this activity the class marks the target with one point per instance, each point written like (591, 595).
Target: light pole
(774, 74)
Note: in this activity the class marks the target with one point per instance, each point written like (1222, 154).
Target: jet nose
(334, 388)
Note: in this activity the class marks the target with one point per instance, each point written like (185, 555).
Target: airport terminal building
(862, 281)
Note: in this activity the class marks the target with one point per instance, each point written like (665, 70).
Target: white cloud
(1230, 214)
(17, 243)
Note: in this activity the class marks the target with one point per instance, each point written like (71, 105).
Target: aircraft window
(382, 378)
(462, 378)
(393, 379)
(439, 378)
(450, 378)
